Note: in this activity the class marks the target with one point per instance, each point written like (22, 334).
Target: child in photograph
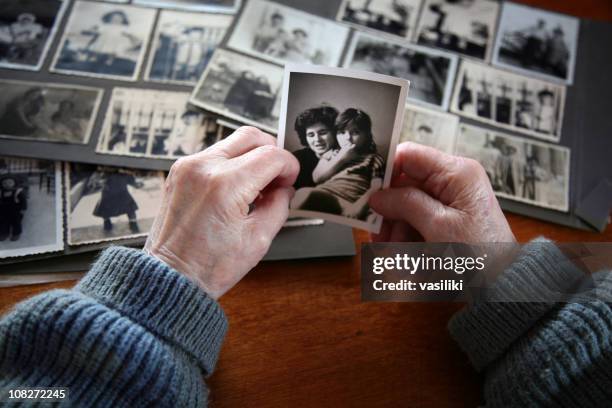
(190, 54)
(347, 175)
(545, 116)
(13, 202)
(108, 40)
(64, 125)
(116, 200)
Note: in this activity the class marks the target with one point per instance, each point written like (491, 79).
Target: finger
(421, 162)
(411, 205)
(270, 213)
(402, 232)
(243, 140)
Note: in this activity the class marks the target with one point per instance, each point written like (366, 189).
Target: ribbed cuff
(486, 329)
(160, 299)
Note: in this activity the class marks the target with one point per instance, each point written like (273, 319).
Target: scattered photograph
(48, 112)
(109, 203)
(183, 45)
(466, 27)
(104, 40)
(241, 88)
(283, 34)
(431, 72)
(539, 42)
(212, 6)
(397, 17)
(430, 128)
(345, 141)
(27, 28)
(30, 207)
(527, 105)
(156, 124)
(519, 169)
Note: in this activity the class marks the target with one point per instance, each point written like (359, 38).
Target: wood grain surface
(300, 335)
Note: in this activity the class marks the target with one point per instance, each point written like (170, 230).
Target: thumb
(411, 205)
(271, 212)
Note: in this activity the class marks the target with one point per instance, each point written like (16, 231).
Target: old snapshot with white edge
(109, 203)
(241, 88)
(431, 72)
(212, 6)
(31, 207)
(395, 17)
(430, 128)
(537, 42)
(183, 44)
(519, 169)
(156, 124)
(104, 40)
(27, 28)
(501, 98)
(466, 27)
(48, 112)
(343, 127)
(283, 34)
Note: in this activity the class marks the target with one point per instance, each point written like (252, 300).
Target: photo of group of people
(396, 17)
(504, 99)
(344, 142)
(30, 207)
(241, 88)
(430, 128)
(156, 124)
(55, 113)
(108, 203)
(27, 28)
(519, 169)
(431, 73)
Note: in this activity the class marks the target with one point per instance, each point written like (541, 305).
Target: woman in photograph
(347, 175)
(22, 116)
(109, 41)
(116, 200)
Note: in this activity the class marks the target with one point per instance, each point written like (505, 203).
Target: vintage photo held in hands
(156, 124)
(430, 128)
(466, 27)
(431, 72)
(519, 169)
(396, 17)
(508, 100)
(31, 209)
(537, 42)
(48, 112)
(27, 28)
(241, 88)
(183, 44)
(212, 6)
(104, 40)
(109, 203)
(342, 126)
(283, 34)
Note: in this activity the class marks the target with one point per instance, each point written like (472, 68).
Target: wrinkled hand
(437, 197)
(204, 228)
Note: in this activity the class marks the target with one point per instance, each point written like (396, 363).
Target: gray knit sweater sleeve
(542, 354)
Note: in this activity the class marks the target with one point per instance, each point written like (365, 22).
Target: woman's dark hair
(357, 119)
(109, 16)
(325, 115)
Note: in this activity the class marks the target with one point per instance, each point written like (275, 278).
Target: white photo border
(434, 112)
(170, 5)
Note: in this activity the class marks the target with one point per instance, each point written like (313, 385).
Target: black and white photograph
(109, 203)
(104, 40)
(396, 17)
(519, 169)
(30, 207)
(343, 127)
(48, 112)
(183, 45)
(537, 42)
(431, 72)
(211, 6)
(466, 27)
(430, 128)
(241, 88)
(283, 34)
(501, 98)
(156, 124)
(27, 28)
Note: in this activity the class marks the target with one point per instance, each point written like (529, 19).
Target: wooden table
(300, 335)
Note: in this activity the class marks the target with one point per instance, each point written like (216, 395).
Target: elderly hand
(439, 198)
(205, 228)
